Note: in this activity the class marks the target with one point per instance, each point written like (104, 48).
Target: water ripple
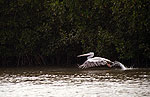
(70, 83)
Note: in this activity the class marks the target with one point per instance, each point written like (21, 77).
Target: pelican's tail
(117, 63)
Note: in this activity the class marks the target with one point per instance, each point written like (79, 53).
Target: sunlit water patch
(70, 82)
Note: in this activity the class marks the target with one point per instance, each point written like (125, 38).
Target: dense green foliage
(55, 31)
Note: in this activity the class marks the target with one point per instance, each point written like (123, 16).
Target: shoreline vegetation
(43, 32)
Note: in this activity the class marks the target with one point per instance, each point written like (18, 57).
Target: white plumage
(98, 61)
(95, 61)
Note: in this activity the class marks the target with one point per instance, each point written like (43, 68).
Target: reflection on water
(71, 82)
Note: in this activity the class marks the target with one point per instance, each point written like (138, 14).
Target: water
(74, 82)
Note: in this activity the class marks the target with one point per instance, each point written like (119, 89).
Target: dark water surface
(73, 82)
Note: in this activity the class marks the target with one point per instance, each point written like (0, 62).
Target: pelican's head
(90, 55)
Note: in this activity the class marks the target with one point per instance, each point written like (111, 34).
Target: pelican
(98, 61)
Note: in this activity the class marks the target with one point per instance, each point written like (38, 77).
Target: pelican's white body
(98, 61)
(93, 61)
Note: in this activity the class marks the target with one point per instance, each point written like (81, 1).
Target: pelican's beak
(83, 55)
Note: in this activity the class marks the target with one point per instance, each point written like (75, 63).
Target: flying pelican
(98, 61)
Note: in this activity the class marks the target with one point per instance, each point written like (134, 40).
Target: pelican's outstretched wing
(92, 63)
